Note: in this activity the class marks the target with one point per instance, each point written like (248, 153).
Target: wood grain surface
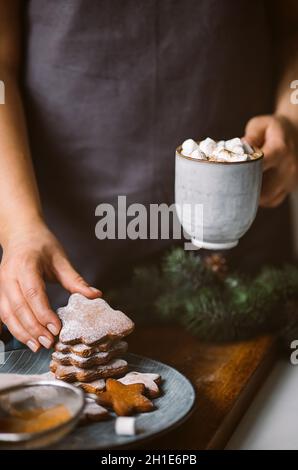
(225, 377)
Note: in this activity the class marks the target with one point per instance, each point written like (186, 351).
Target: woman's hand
(29, 257)
(278, 139)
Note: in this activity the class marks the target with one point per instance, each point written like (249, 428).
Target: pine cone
(218, 264)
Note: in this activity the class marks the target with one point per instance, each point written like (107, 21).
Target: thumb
(71, 280)
(255, 130)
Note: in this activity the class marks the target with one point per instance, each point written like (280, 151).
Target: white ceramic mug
(226, 194)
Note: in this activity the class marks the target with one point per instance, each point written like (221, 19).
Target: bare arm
(31, 252)
(16, 175)
(277, 134)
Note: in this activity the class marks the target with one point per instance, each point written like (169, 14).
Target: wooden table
(225, 377)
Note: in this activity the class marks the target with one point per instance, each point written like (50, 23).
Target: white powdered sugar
(83, 350)
(98, 358)
(93, 387)
(232, 150)
(91, 321)
(76, 374)
(94, 412)
(148, 379)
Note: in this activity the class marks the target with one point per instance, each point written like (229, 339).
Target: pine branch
(187, 290)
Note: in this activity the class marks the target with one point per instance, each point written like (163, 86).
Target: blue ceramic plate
(172, 407)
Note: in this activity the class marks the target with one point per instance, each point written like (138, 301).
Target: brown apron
(112, 87)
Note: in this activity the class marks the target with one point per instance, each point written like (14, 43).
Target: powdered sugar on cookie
(97, 359)
(149, 380)
(94, 412)
(94, 387)
(82, 349)
(91, 321)
(76, 374)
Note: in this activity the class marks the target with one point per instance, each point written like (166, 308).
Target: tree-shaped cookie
(91, 321)
(97, 359)
(83, 350)
(113, 368)
(125, 399)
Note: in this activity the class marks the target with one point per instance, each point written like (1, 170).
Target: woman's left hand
(278, 139)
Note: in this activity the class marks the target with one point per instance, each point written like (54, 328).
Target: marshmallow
(247, 148)
(222, 154)
(238, 149)
(125, 426)
(233, 150)
(230, 144)
(207, 146)
(238, 158)
(220, 144)
(198, 154)
(188, 147)
(235, 146)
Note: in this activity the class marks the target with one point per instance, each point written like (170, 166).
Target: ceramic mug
(216, 202)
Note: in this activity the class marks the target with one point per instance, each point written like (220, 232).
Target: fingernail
(53, 329)
(94, 289)
(32, 345)
(45, 341)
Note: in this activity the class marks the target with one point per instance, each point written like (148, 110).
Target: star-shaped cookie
(149, 380)
(83, 350)
(113, 368)
(94, 387)
(97, 359)
(125, 399)
(91, 321)
(93, 412)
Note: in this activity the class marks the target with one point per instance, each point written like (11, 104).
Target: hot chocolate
(233, 150)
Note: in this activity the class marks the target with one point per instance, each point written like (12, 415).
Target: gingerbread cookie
(125, 399)
(76, 374)
(91, 321)
(94, 412)
(94, 387)
(99, 358)
(82, 349)
(149, 380)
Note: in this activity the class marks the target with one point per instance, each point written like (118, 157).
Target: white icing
(146, 378)
(96, 359)
(74, 373)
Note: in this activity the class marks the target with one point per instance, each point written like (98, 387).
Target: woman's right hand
(29, 257)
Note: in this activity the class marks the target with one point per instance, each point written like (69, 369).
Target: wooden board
(225, 377)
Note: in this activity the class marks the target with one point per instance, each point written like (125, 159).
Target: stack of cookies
(90, 343)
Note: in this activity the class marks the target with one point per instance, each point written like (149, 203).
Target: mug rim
(256, 150)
